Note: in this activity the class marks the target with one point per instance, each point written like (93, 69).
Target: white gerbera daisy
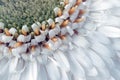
(59, 40)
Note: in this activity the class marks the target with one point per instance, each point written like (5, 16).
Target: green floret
(15, 13)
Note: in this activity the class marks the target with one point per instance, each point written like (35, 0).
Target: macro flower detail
(59, 40)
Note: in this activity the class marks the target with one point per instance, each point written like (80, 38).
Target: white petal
(12, 31)
(65, 15)
(39, 59)
(76, 68)
(84, 60)
(63, 31)
(93, 37)
(30, 72)
(40, 38)
(36, 52)
(115, 11)
(57, 29)
(25, 28)
(34, 70)
(6, 52)
(70, 31)
(14, 76)
(89, 26)
(38, 23)
(103, 50)
(75, 25)
(67, 7)
(13, 64)
(56, 10)
(107, 55)
(27, 38)
(101, 66)
(33, 42)
(6, 39)
(21, 38)
(110, 31)
(100, 5)
(112, 20)
(112, 78)
(53, 71)
(115, 3)
(64, 75)
(74, 16)
(59, 20)
(72, 2)
(25, 56)
(116, 44)
(35, 26)
(80, 41)
(58, 43)
(20, 65)
(17, 51)
(42, 73)
(51, 33)
(4, 62)
(62, 61)
(118, 54)
(50, 21)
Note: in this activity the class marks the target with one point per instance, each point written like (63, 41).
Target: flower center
(15, 13)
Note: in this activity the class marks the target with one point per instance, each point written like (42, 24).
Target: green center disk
(15, 13)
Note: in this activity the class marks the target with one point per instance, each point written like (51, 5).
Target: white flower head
(59, 40)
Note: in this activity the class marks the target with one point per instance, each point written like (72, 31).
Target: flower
(59, 40)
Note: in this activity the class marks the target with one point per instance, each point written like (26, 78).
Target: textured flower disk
(48, 35)
(82, 42)
(15, 13)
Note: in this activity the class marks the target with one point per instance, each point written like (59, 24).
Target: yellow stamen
(65, 23)
(82, 12)
(66, 2)
(54, 39)
(78, 2)
(47, 46)
(24, 32)
(37, 32)
(33, 48)
(43, 27)
(16, 35)
(63, 37)
(79, 20)
(72, 10)
(18, 44)
(7, 32)
(53, 25)
(10, 49)
(59, 13)
(1, 42)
